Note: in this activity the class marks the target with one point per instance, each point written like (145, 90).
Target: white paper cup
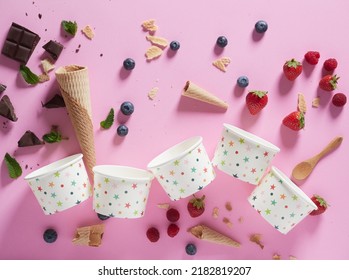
(183, 169)
(121, 191)
(243, 155)
(61, 184)
(280, 202)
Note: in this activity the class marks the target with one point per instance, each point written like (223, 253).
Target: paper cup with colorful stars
(61, 184)
(280, 202)
(243, 155)
(121, 191)
(183, 169)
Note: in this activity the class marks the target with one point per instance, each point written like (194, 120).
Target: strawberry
(172, 230)
(330, 64)
(312, 57)
(294, 121)
(320, 203)
(256, 101)
(196, 206)
(172, 215)
(329, 82)
(292, 69)
(153, 234)
(339, 99)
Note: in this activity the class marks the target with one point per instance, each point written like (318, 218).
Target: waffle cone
(193, 91)
(75, 88)
(205, 233)
(89, 236)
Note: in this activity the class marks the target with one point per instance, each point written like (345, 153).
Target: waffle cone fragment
(89, 236)
(75, 88)
(193, 91)
(205, 233)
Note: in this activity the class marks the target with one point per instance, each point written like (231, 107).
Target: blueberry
(129, 64)
(242, 81)
(175, 45)
(222, 41)
(261, 26)
(102, 217)
(122, 130)
(50, 235)
(127, 108)
(190, 249)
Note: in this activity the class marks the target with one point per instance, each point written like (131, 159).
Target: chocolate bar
(2, 88)
(53, 48)
(20, 43)
(29, 139)
(55, 102)
(6, 109)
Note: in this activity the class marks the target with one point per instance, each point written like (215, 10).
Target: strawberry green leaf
(108, 122)
(14, 169)
(293, 63)
(28, 75)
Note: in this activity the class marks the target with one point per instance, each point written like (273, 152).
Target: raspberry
(172, 230)
(312, 57)
(153, 234)
(330, 64)
(172, 215)
(339, 99)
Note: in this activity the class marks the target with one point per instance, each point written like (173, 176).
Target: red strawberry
(172, 215)
(320, 203)
(172, 230)
(256, 101)
(312, 57)
(330, 64)
(196, 206)
(153, 234)
(339, 99)
(329, 82)
(294, 121)
(292, 69)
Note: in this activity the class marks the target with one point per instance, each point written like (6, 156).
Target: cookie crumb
(241, 220)
(40, 16)
(256, 238)
(152, 93)
(227, 222)
(302, 106)
(44, 78)
(153, 52)
(276, 257)
(292, 257)
(88, 32)
(222, 63)
(164, 206)
(228, 206)
(316, 102)
(149, 25)
(215, 212)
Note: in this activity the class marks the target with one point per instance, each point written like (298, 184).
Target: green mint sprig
(108, 122)
(14, 169)
(28, 75)
(70, 27)
(54, 136)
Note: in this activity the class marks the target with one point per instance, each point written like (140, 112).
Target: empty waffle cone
(75, 88)
(89, 236)
(193, 91)
(205, 233)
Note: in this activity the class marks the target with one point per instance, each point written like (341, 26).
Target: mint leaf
(70, 27)
(28, 75)
(14, 169)
(53, 136)
(108, 122)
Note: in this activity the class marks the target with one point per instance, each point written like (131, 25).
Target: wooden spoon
(304, 168)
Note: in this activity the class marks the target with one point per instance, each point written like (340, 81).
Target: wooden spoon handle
(331, 146)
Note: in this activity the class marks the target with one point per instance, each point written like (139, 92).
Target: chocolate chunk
(6, 109)
(55, 102)
(2, 88)
(20, 43)
(29, 139)
(53, 48)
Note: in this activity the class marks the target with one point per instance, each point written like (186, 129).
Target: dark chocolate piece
(55, 102)
(20, 43)
(29, 139)
(2, 88)
(53, 48)
(6, 109)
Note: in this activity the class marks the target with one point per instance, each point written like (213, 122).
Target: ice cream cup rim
(53, 167)
(293, 187)
(251, 137)
(111, 173)
(156, 162)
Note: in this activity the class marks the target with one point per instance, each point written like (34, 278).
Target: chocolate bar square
(53, 48)
(20, 43)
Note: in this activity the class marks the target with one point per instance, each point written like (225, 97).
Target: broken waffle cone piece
(222, 63)
(149, 25)
(302, 105)
(256, 238)
(89, 236)
(75, 88)
(205, 233)
(153, 52)
(157, 41)
(193, 91)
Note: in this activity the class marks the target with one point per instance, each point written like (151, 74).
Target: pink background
(294, 28)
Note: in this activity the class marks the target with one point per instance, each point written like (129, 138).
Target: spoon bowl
(302, 170)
